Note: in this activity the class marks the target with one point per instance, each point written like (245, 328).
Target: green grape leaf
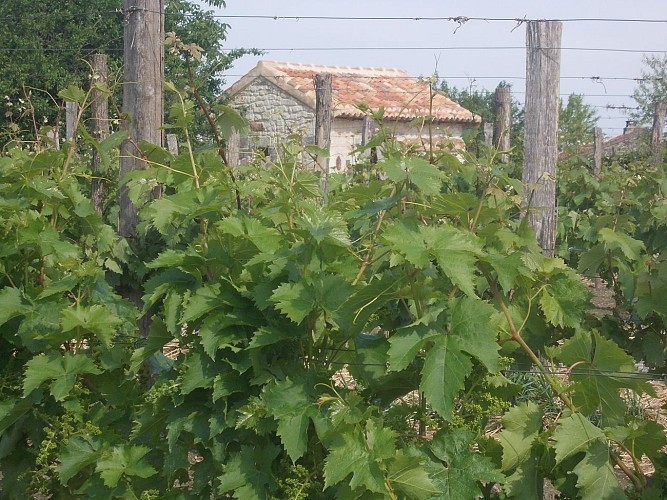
(463, 469)
(206, 299)
(456, 252)
(615, 240)
(443, 376)
(527, 481)
(158, 337)
(521, 425)
(198, 371)
(361, 457)
(428, 178)
(248, 472)
(601, 369)
(229, 120)
(96, 319)
(573, 435)
(405, 344)
(78, 452)
(508, 268)
(288, 402)
(470, 320)
(408, 477)
(591, 260)
(596, 479)
(62, 371)
(643, 437)
(295, 300)
(11, 304)
(406, 241)
(124, 460)
(564, 300)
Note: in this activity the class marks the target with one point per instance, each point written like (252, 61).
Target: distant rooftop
(402, 96)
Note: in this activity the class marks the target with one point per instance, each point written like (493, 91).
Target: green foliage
(59, 39)
(613, 226)
(482, 103)
(576, 122)
(651, 87)
(321, 339)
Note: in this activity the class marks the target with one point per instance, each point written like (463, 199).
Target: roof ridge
(277, 65)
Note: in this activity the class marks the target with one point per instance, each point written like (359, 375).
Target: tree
(651, 88)
(482, 103)
(46, 47)
(576, 123)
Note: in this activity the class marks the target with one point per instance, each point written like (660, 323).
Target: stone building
(278, 99)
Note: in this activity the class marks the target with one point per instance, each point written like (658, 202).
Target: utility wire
(454, 19)
(367, 48)
(496, 47)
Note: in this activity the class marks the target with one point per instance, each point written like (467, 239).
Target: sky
(477, 54)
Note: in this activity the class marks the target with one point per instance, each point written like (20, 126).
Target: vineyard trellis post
(172, 144)
(234, 149)
(503, 124)
(597, 151)
(99, 111)
(323, 116)
(142, 93)
(367, 130)
(543, 40)
(488, 134)
(71, 111)
(658, 125)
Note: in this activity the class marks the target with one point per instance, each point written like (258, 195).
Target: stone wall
(273, 114)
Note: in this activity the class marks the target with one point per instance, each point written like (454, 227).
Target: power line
(453, 19)
(508, 47)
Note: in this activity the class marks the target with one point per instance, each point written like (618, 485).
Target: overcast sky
(437, 41)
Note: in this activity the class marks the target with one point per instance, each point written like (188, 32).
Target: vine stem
(369, 253)
(213, 127)
(553, 383)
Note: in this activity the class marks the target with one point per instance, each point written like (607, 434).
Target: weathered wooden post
(503, 124)
(323, 117)
(541, 129)
(597, 151)
(99, 127)
(172, 144)
(367, 130)
(71, 112)
(234, 149)
(658, 126)
(488, 134)
(142, 93)
(142, 109)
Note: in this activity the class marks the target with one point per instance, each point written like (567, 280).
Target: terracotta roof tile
(401, 95)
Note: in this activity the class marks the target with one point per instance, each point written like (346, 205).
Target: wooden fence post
(503, 124)
(597, 151)
(658, 126)
(99, 127)
(367, 130)
(488, 134)
(323, 117)
(142, 93)
(541, 129)
(71, 112)
(172, 144)
(234, 149)
(143, 38)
